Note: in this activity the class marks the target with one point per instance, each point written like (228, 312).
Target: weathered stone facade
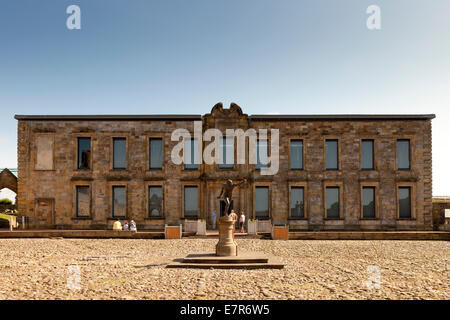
(47, 182)
(440, 204)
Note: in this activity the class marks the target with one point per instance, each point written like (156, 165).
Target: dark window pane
(368, 202)
(191, 160)
(155, 201)
(226, 153)
(262, 202)
(119, 202)
(120, 153)
(332, 154)
(84, 153)
(296, 154)
(83, 203)
(262, 154)
(404, 202)
(155, 153)
(297, 202)
(403, 154)
(190, 201)
(333, 208)
(367, 154)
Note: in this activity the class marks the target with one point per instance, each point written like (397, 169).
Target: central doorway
(222, 207)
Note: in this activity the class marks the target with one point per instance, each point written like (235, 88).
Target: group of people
(234, 216)
(131, 226)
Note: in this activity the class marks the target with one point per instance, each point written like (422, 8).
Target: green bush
(5, 201)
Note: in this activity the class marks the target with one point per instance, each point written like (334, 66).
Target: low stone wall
(439, 206)
(4, 207)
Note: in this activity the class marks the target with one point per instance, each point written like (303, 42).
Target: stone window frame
(199, 154)
(158, 183)
(374, 155)
(369, 184)
(303, 152)
(256, 150)
(35, 151)
(303, 185)
(412, 187)
(331, 184)
(412, 143)
(339, 158)
(191, 184)
(111, 153)
(262, 184)
(148, 137)
(91, 162)
(111, 185)
(74, 188)
(233, 167)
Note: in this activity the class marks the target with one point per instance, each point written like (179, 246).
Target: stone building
(336, 172)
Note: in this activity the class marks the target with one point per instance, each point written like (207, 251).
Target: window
(190, 202)
(84, 153)
(297, 202)
(119, 202)
(226, 153)
(262, 154)
(155, 153)
(154, 201)
(120, 153)
(82, 201)
(296, 154)
(367, 162)
(368, 202)
(331, 150)
(261, 202)
(404, 202)
(403, 162)
(191, 154)
(333, 202)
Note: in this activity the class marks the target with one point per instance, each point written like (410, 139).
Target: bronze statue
(227, 193)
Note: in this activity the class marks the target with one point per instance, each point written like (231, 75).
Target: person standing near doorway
(214, 218)
(242, 222)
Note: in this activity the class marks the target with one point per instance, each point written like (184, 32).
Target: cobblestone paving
(135, 269)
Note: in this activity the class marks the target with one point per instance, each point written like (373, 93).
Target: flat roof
(287, 117)
(256, 117)
(108, 117)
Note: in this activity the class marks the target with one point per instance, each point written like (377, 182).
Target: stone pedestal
(226, 245)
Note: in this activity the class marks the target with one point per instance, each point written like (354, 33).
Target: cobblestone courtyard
(135, 269)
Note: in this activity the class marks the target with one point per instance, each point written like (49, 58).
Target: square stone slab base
(245, 260)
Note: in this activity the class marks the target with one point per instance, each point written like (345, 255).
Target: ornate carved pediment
(219, 111)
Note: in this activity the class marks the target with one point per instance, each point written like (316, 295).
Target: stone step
(226, 265)
(213, 259)
(244, 260)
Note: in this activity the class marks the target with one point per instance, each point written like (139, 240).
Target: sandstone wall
(48, 196)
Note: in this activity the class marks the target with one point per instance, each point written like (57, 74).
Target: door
(45, 212)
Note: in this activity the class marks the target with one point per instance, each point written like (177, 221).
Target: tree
(5, 201)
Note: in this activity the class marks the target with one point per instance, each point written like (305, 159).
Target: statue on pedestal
(226, 245)
(227, 192)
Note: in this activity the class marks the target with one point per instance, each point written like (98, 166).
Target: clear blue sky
(183, 56)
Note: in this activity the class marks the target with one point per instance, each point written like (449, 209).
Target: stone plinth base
(226, 245)
(243, 261)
